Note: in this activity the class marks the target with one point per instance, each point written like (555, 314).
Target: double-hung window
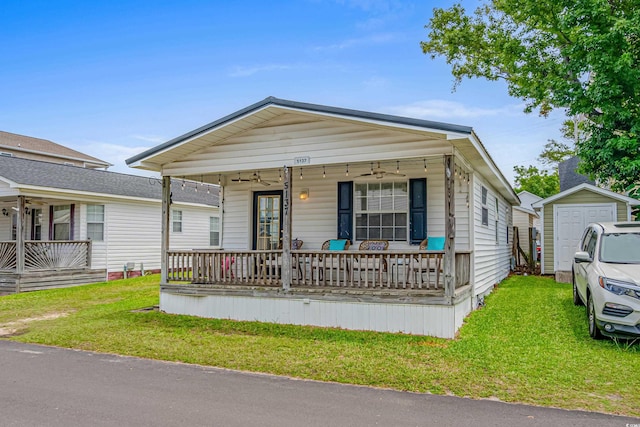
(485, 209)
(176, 221)
(95, 222)
(381, 210)
(214, 231)
(61, 222)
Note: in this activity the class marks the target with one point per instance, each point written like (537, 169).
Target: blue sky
(114, 78)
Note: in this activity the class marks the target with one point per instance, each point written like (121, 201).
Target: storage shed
(564, 217)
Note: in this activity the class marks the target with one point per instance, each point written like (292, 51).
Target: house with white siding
(525, 218)
(339, 218)
(66, 225)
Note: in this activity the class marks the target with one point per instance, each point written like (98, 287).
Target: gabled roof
(344, 112)
(30, 144)
(34, 174)
(460, 138)
(527, 199)
(588, 187)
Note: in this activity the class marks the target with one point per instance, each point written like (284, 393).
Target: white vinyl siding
(491, 261)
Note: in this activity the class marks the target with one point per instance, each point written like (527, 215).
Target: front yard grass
(528, 344)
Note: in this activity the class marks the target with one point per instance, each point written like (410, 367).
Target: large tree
(578, 55)
(536, 181)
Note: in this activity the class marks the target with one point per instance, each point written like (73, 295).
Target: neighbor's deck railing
(47, 255)
(319, 269)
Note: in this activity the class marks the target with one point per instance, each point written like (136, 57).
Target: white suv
(606, 277)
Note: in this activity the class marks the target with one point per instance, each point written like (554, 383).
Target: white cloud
(240, 71)
(379, 38)
(440, 109)
(115, 154)
(155, 139)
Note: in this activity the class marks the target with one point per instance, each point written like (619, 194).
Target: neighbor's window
(485, 210)
(176, 221)
(381, 210)
(95, 222)
(214, 231)
(61, 222)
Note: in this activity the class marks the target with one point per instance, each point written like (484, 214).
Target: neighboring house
(27, 147)
(564, 217)
(66, 225)
(306, 172)
(524, 218)
(568, 176)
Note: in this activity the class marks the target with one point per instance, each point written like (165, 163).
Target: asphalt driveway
(60, 387)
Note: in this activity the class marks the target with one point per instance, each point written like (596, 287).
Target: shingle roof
(74, 178)
(31, 144)
(569, 178)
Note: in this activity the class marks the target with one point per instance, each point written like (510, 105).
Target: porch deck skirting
(391, 291)
(11, 283)
(419, 315)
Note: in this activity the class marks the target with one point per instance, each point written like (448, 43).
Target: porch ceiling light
(5, 212)
(304, 194)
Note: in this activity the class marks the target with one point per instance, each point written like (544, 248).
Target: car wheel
(594, 332)
(576, 297)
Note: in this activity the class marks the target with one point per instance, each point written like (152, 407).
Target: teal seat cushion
(337, 245)
(435, 244)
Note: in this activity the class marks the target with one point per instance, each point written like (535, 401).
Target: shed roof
(588, 187)
(23, 173)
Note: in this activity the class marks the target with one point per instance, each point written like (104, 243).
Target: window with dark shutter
(417, 210)
(345, 210)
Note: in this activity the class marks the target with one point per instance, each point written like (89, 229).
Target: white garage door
(570, 222)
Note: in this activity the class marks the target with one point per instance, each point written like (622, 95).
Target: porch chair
(427, 265)
(366, 263)
(317, 263)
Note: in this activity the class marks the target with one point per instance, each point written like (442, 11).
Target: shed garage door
(570, 222)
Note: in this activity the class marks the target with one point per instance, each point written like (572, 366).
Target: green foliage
(578, 55)
(536, 181)
(554, 153)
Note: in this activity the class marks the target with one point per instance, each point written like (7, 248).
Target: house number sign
(299, 161)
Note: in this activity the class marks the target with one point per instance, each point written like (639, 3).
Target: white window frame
(176, 221)
(214, 231)
(93, 220)
(377, 232)
(484, 210)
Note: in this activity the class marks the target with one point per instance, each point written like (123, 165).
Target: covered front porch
(329, 213)
(27, 262)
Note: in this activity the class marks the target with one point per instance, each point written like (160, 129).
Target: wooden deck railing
(317, 269)
(47, 255)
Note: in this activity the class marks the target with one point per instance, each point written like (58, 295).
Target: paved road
(47, 386)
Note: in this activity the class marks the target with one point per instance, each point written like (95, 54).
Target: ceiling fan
(380, 173)
(254, 178)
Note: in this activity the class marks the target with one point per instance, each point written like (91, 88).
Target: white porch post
(20, 237)
(166, 218)
(286, 230)
(450, 228)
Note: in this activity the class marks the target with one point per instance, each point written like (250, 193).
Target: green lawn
(528, 344)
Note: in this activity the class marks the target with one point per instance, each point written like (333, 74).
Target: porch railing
(317, 269)
(47, 255)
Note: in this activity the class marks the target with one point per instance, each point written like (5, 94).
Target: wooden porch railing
(7, 256)
(317, 269)
(47, 255)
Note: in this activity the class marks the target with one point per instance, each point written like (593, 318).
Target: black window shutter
(417, 210)
(345, 210)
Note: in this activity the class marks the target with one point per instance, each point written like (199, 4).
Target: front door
(267, 220)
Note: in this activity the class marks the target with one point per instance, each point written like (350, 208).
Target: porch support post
(286, 230)
(166, 217)
(20, 237)
(450, 228)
